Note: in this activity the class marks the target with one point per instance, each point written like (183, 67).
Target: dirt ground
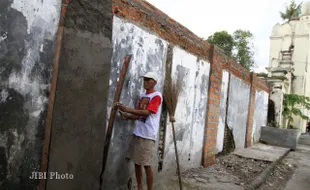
(233, 172)
(244, 169)
(238, 170)
(279, 177)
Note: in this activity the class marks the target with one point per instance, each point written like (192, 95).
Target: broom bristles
(171, 94)
(171, 89)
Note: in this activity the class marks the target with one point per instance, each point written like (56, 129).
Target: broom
(171, 93)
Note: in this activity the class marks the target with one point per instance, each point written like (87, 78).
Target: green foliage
(223, 40)
(274, 124)
(291, 11)
(244, 48)
(239, 46)
(290, 102)
(262, 74)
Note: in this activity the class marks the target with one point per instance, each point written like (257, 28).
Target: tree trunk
(288, 124)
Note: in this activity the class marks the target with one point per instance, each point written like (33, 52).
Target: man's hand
(121, 107)
(124, 108)
(128, 116)
(116, 104)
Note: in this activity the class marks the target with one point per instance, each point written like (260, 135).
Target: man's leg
(149, 177)
(138, 169)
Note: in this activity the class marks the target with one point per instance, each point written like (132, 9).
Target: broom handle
(176, 155)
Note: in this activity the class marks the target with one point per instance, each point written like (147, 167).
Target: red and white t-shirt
(147, 127)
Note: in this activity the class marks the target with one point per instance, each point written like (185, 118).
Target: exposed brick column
(213, 110)
(248, 142)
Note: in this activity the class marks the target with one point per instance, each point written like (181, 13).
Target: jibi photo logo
(50, 175)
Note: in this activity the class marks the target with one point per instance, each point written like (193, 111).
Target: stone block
(287, 138)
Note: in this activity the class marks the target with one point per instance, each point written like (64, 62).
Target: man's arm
(128, 116)
(124, 108)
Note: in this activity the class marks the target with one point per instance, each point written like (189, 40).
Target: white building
(289, 68)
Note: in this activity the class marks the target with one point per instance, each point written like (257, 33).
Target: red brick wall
(248, 142)
(213, 107)
(145, 15)
(261, 85)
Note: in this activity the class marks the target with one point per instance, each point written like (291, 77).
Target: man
(147, 115)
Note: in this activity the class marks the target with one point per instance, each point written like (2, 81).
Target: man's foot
(140, 187)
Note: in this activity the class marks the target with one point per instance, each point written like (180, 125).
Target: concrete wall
(87, 75)
(27, 39)
(222, 119)
(238, 105)
(80, 107)
(260, 114)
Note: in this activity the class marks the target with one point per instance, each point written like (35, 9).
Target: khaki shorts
(141, 151)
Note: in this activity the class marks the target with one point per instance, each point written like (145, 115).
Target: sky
(204, 17)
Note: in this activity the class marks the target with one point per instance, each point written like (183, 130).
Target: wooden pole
(113, 113)
(51, 99)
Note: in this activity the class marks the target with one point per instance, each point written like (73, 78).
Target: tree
(224, 40)
(238, 46)
(291, 11)
(244, 48)
(290, 102)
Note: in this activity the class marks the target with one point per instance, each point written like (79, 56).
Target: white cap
(151, 75)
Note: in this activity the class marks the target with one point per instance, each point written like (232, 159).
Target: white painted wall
(148, 54)
(260, 114)
(190, 112)
(238, 108)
